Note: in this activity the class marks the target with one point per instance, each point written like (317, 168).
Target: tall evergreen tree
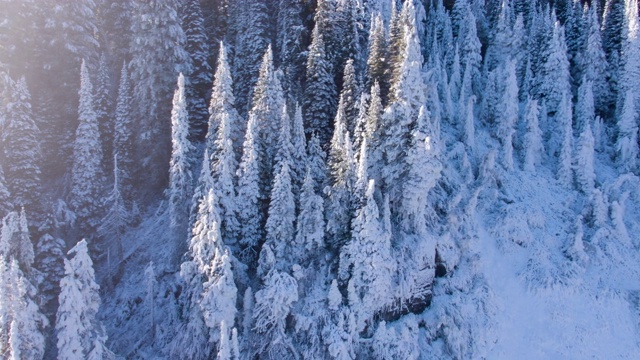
(613, 21)
(298, 151)
(627, 141)
(554, 77)
(508, 115)
(309, 236)
(318, 103)
(157, 57)
(117, 215)
(585, 107)
(76, 324)
(563, 119)
(349, 93)
(198, 87)
(219, 294)
(594, 61)
(533, 145)
(281, 219)
(22, 149)
(317, 162)
(585, 175)
(630, 67)
(86, 178)
(222, 105)
(378, 60)
(180, 177)
(292, 38)
(104, 111)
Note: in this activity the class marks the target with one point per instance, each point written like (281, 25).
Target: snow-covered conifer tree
(627, 142)
(533, 145)
(317, 162)
(469, 133)
(377, 61)
(273, 304)
(219, 294)
(630, 69)
(298, 151)
(104, 112)
(26, 337)
(368, 256)
(554, 77)
(117, 215)
(180, 176)
(319, 100)
(309, 236)
(223, 156)
(76, 323)
(50, 262)
(21, 139)
(563, 119)
(6, 203)
(508, 114)
(280, 222)
(248, 200)
(594, 61)
(223, 105)
(350, 94)
(585, 175)
(585, 107)
(86, 175)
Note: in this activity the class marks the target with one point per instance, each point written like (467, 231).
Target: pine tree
(377, 61)
(627, 142)
(585, 175)
(22, 149)
(197, 46)
(249, 195)
(533, 145)
(630, 68)
(320, 91)
(554, 75)
(317, 162)
(563, 119)
(224, 348)
(205, 233)
(342, 173)
(594, 62)
(508, 115)
(157, 57)
(292, 39)
(584, 109)
(26, 338)
(86, 172)
(219, 294)
(50, 262)
(226, 119)
(469, 126)
(613, 21)
(309, 236)
(76, 323)
(470, 50)
(273, 304)
(223, 105)
(349, 94)
(281, 218)
(368, 255)
(180, 176)
(104, 112)
(122, 138)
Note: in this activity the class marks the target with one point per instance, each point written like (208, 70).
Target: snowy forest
(319, 179)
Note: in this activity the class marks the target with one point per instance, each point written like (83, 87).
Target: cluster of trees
(304, 186)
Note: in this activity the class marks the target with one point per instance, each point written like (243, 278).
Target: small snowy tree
(273, 304)
(298, 151)
(150, 280)
(533, 146)
(508, 115)
(309, 237)
(87, 155)
(280, 223)
(180, 171)
(15, 242)
(117, 218)
(627, 142)
(219, 295)
(585, 175)
(563, 119)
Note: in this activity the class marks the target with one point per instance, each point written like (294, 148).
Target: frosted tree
(76, 323)
(26, 334)
(150, 282)
(22, 156)
(197, 46)
(219, 294)
(349, 95)
(613, 24)
(122, 137)
(585, 107)
(423, 172)
(585, 175)
(339, 204)
(205, 234)
(280, 222)
(377, 61)
(6, 204)
(180, 176)
(157, 57)
(508, 114)
(14, 240)
(291, 38)
(594, 61)
(368, 256)
(224, 347)
(317, 162)
(86, 178)
(627, 142)
(309, 236)
(298, 151)
(319, 100)
(470, 49)
(117, 217)
(6, 298)
(273, 305)
(222, 105)
(554, 77)
(563, 119)
(533, 145)
(469, 126)
(248, 200)
(266, 262)
(630, 71)
(223, 156)
(50, 262)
